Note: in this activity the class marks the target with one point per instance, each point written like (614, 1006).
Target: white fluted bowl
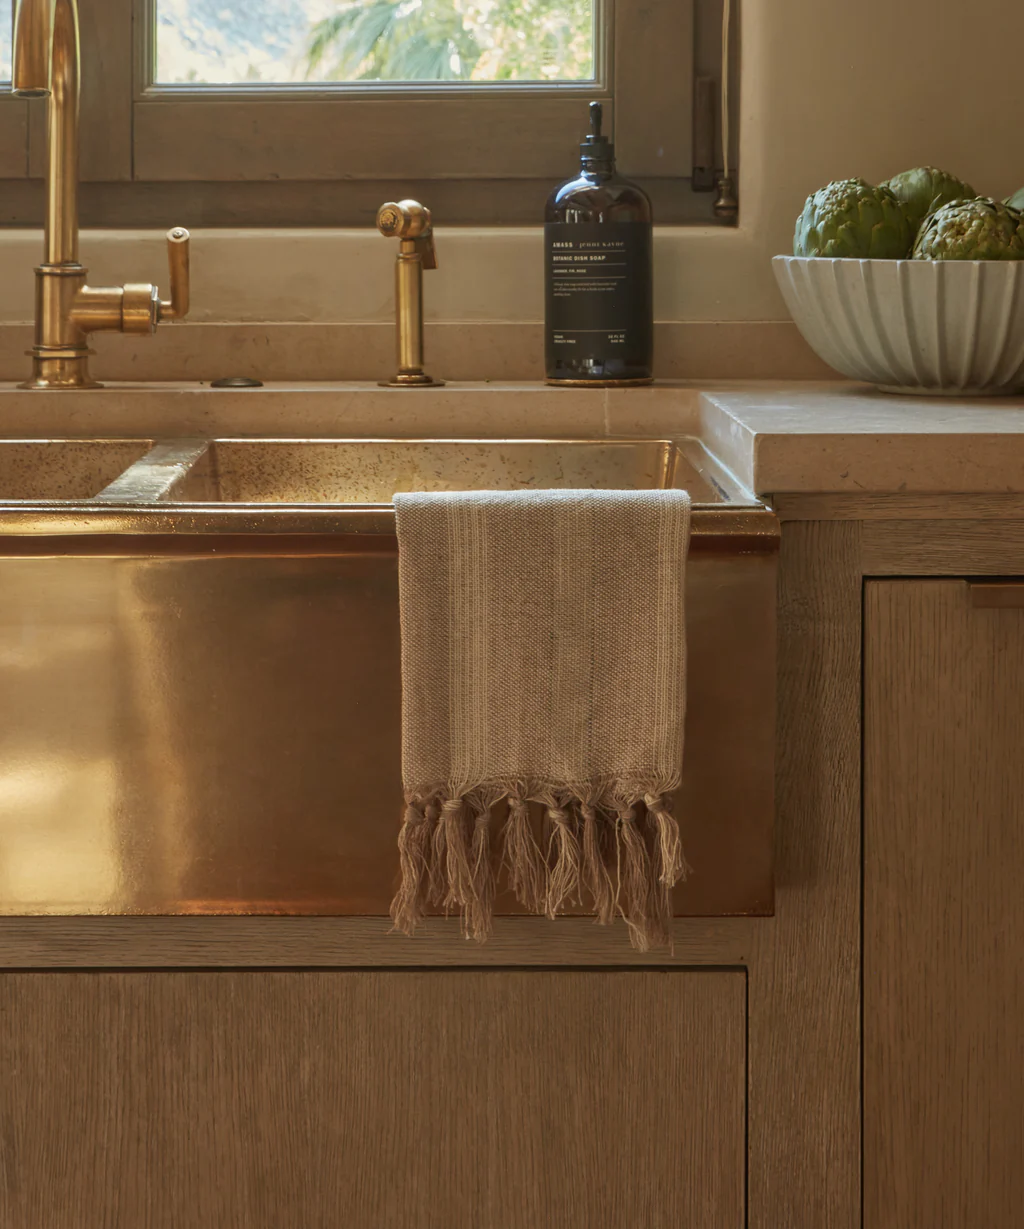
(912, 326)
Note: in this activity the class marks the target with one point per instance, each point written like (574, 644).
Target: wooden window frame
(327, 155)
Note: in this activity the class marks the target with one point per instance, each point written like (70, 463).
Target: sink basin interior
(371, 471)
(63, 469)
(308, 473)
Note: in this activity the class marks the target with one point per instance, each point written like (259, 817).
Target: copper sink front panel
(210, 724)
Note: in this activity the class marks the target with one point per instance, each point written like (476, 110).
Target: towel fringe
(413, 843)
(436, 853)
(634, 879)
(626, 861)
(672, 865)
(523, 858)
(459, 873)
(597, 877)
(563, 858)
(478, 910)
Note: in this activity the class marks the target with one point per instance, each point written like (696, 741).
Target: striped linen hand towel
(543, 661)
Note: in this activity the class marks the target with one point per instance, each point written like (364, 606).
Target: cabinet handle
(997, 594)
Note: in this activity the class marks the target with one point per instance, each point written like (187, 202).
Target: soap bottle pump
(599, 305)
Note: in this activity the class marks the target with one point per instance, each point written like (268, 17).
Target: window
(311, 112)
(5, 47)
(275, 42)
(13, 116)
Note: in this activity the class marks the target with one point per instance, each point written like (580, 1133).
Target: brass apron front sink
(199, 661)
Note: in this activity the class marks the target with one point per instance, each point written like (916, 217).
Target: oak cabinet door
(467, 1099)
(943, 905)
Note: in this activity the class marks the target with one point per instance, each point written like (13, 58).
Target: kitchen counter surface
(826, 438)
(849, 438)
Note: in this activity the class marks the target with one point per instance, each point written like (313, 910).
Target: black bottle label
(599, 305)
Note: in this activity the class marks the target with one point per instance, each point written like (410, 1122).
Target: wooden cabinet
(461, 1099)
(943, 905)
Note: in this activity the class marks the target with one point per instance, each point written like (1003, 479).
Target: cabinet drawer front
(372, 1100)
(217, 733)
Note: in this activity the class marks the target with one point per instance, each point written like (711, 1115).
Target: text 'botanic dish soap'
(599, 305)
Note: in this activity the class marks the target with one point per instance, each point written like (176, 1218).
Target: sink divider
(152, 477)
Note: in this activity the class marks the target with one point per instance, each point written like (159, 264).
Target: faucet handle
(176, 308)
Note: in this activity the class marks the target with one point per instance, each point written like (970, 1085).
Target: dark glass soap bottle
(599, 307)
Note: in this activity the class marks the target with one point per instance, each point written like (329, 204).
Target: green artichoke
(851, 218)
(981, 229)
(925, 189)
(1017, 200)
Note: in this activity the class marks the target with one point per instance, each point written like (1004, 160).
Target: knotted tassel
(634, 878)
(413, 845)
(479, 908)
(668, 847)
(438, 888)
(596, 875)
(527, 869)
(459, 873)
(564, 881)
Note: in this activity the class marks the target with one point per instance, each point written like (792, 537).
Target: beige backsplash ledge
(502, 350)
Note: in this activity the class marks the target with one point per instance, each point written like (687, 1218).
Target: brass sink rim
(685, 448)
(138, 501)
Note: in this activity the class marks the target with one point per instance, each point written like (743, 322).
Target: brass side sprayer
(409, 221)
(46, 63)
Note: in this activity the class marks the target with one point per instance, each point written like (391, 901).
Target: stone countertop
(851, 439)
(826, 438)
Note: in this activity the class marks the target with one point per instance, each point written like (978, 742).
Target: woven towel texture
(543, 661)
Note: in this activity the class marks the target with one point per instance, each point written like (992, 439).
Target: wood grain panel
(996, 505)
(372, 1100)
(943, 909)
(267, 942)
(804, 976)
(949, 547)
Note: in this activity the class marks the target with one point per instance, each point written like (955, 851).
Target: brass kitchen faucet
(46, 62)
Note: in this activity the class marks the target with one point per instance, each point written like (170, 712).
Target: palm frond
(353, 34)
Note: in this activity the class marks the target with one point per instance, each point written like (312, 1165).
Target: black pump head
(596, 148)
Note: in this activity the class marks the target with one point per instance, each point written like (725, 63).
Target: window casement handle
(136, 307)
(410, 222)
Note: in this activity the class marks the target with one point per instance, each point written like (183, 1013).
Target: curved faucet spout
(33, 33)
(46, 62)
